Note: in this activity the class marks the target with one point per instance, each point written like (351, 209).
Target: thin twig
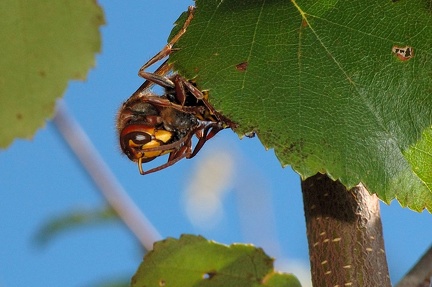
(420, 275)
(104, 179)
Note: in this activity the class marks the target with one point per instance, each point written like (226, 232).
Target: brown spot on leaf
(242, 66)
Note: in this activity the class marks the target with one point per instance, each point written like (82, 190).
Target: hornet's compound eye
(133, 137)
(139, 138)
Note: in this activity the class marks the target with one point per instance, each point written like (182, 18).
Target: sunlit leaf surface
(195, 261)
(337, 87)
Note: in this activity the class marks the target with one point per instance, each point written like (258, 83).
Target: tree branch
(104, 179)
(346, 246)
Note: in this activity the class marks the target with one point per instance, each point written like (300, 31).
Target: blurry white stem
(105, 180)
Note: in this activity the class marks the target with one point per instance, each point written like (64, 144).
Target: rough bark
(344, 230)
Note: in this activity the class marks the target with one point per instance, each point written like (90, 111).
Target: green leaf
(321, 83)
(74, 219)
(44, 44)
(194, 261)
(420, 158)
(276, 279)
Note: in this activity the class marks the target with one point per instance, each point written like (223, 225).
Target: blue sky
(41, 179)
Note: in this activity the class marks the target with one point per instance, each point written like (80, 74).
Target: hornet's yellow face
(143, 143)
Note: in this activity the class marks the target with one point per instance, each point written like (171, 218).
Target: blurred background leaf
(74, 220)
(44, 45)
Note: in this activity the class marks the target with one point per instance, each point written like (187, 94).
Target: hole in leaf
(209, 275)
(162, 283)
(403, 53)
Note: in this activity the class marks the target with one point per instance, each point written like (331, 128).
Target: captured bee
(150, 125)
